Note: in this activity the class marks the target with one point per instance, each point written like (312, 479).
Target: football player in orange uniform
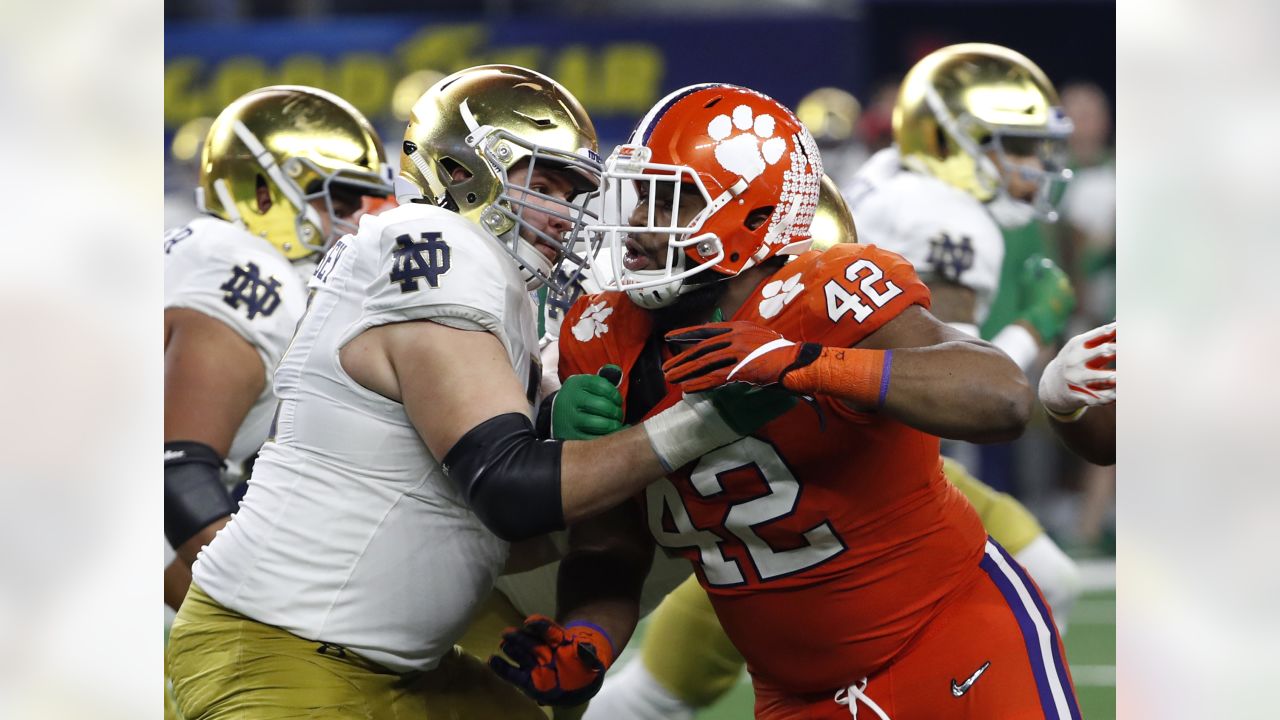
(840, 562)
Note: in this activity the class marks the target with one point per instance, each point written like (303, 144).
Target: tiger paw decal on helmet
(746, 153)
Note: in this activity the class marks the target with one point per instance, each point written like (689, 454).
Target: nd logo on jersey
(949, 258)
(414, 260)
(246, 287)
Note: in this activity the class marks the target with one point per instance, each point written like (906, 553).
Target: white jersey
(946, 233)
(350, 533)
(225, 272)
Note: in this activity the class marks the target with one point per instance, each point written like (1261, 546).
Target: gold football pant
(687, 652)
(1006, 520)
(225, 666)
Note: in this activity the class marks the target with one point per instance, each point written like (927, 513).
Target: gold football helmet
(293, 144)
(964, 109)
(832, 222)
(831, 114)
(472, 128)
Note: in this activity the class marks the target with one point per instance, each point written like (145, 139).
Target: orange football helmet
(746, 155)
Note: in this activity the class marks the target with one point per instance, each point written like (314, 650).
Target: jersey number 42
(807, 549)
(864, 274)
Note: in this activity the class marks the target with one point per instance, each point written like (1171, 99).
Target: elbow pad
(510, 478)
(194, 495)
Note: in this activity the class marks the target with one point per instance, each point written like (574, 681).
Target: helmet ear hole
(756, 217)
(262, 192)
(454, 170)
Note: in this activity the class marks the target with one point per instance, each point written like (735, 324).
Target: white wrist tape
(1019, 344)
(687, 430)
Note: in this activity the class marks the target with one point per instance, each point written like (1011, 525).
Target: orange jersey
(830, 538)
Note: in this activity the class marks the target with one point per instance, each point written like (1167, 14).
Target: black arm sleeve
(510, 478)
(542, 416)
(194, 495)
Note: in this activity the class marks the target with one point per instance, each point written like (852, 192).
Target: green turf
(1091, 642)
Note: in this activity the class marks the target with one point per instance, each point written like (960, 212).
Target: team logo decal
(959, 689)
(247, 287)
(592, 323)
(414, 260)
(746, 153)
(778, 294)
(558, 304)
(950, 258)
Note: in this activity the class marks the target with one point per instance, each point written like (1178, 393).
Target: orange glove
(555, 665)
(742, 351)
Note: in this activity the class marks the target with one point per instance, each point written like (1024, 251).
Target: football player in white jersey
(283, 173)
(979, 144)
(403, 459)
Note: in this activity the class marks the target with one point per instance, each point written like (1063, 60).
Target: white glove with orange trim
(1082, 375)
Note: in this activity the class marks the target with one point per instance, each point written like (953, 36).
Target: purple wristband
(884, 379)
(597, 628)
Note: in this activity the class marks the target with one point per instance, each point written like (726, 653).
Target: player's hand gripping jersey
(395, 561)
(830, 538)
(215, 268)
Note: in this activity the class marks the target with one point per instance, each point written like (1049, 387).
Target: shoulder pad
(220, 270)
(600, 329)
(429, 257)
(945, 232)
(836, 297)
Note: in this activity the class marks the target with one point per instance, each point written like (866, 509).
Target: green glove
(587, 406)
(1049, 297)
(746, 408)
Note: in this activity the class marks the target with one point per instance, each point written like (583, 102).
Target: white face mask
(1009, 213)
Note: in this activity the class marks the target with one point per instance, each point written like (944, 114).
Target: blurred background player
(284, 171)
(980, 144)
(832, 116)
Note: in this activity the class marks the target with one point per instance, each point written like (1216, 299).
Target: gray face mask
(1009, 213)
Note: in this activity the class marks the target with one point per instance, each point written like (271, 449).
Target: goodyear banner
(617, 67)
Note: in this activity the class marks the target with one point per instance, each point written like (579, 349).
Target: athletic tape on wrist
(859, 376)
(686, 431)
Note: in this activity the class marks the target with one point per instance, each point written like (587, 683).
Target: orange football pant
(993, 652)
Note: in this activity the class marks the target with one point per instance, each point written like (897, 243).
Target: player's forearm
(959, 390)
(1092, 436)
(600, 579)
(521, 487)
(596, 475)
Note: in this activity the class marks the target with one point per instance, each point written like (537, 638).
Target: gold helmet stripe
(224, 197)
